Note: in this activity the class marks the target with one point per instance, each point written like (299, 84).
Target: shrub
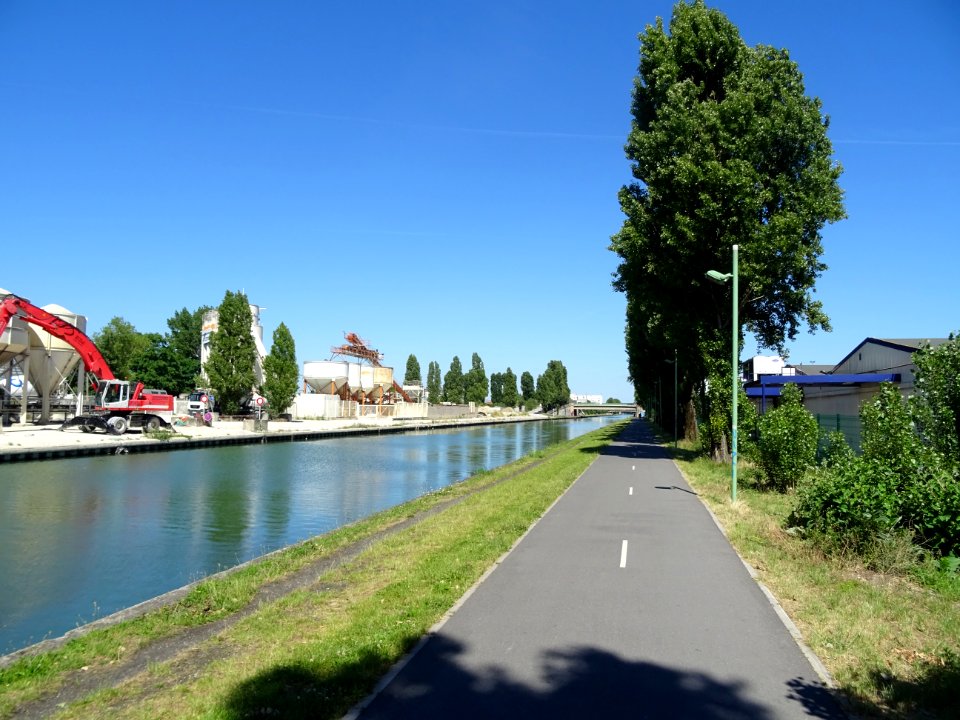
(788, 440)
(936, 407)
(931, 509)
(850, 505)
(899, 489)
(837, 451)
(889, 436)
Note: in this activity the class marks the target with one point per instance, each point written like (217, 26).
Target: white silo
(52, 360)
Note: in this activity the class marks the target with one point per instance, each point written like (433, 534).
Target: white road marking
(633, 467)
(631, 491)
(623, 554)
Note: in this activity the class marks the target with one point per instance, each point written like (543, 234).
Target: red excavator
(117, 404)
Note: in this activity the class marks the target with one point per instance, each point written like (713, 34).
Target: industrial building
(833, 394)
(339, 387)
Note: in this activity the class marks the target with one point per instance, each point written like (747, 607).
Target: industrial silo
(52, 360)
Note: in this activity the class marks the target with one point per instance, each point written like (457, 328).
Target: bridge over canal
(577, 409)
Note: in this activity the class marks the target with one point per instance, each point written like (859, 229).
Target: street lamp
(722, 278)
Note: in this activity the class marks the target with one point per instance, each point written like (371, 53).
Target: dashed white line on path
(631, 491)
(623, 554)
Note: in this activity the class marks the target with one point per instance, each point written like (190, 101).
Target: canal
(84, 537)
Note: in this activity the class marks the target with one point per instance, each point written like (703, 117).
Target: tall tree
(496, 388)
(552, 389)
(475, 383)
(120, 344)
(526, 385)
(232, 353)
(726, 149)
(280, 371)
(413, 375)
(453, 390)
(510, 397)
(434, 389)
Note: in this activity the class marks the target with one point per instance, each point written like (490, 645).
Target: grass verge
(890, 640)
(315, 651)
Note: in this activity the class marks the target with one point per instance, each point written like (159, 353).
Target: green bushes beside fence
(889, 478)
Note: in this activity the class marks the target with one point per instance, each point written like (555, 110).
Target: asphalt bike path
(624, 601)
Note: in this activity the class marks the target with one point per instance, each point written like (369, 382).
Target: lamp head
(718, 277)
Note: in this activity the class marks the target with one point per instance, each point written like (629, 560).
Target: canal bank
(22, 443)
(87, 536)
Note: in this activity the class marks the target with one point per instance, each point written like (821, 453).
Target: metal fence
(849, 425)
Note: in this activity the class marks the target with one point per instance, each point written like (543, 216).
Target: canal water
(81, 538)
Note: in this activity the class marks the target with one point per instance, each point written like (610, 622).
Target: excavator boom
(13, 306)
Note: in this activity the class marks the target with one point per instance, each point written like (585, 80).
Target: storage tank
(382, 379)
(52, 359)
(326, 376)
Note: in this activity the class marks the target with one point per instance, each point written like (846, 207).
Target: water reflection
(84, 537)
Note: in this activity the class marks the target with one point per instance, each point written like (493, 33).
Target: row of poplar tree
(550, 390)
(172, 360)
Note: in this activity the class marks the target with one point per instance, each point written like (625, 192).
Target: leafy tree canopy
(162, 366)
(281, 371)
(453, 387)
(496, 388)
(510, 396)
(936, 407)
(232, 353)
(726, 148)
(552, 389)
(475, 381)
(434, 389)
(413, 375)
(185, 330)
(526, 385)
(120, 344)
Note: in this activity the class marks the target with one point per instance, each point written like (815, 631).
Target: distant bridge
(577, 409)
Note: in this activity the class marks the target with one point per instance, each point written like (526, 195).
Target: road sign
(203, 398)
(259, 401)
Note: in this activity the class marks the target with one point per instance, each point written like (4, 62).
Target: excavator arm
(13, 306)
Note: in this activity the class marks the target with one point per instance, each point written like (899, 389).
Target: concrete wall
(452, 411)
(315, 406)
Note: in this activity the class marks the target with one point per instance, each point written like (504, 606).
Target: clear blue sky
(440, 178)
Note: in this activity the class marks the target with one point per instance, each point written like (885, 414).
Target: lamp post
(722, 278)
(675, 399)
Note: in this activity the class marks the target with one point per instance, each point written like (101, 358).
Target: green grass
(316, 651)
(890, 640)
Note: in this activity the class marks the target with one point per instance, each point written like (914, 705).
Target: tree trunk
(690, 422)
(720, 454)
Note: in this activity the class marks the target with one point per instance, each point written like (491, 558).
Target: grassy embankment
(891, 640)
(230, 650)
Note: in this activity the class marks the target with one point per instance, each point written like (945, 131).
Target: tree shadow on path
(575, 683)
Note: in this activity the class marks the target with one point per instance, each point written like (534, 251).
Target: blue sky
(440, 178)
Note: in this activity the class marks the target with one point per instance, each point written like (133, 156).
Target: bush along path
(861, 549)
(308, 631)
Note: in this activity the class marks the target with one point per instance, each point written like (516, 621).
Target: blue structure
(768, 386)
